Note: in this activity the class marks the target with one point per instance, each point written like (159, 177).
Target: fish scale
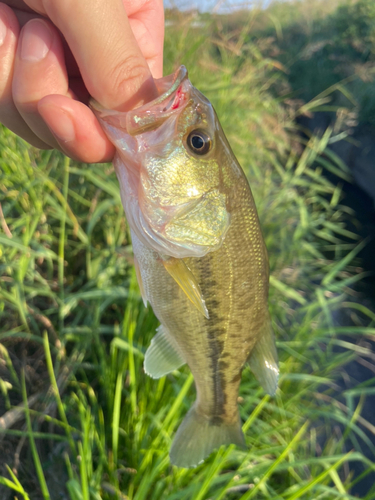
(200, 257)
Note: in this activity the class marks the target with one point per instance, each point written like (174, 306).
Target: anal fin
(263, 360)
(187, 281)
(162, 356)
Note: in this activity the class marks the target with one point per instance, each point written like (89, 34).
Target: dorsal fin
(263, 360)
(187, 281)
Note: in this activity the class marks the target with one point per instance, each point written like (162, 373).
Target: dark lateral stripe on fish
(216, 345)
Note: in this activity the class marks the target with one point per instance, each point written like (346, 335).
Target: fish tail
(197, 437)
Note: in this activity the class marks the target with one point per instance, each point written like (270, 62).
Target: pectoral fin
(162, 356)
(140, 282)
(263, 360)
(187, 281)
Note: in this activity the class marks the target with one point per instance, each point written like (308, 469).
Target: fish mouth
(174, 94)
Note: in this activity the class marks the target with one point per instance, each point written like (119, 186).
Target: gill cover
(171, 187)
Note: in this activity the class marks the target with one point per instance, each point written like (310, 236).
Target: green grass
(324, 44)
(81, 419)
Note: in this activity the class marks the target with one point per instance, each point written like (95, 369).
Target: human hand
(56, 53)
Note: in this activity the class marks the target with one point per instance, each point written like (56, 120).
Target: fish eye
(199, 142)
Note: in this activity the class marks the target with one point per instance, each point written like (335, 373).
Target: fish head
(171, 162)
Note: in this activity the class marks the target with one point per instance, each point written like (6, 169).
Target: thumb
(99, 35)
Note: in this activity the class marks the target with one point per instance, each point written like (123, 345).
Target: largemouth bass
(201, 261)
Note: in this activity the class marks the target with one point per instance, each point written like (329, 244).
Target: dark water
(359, 156)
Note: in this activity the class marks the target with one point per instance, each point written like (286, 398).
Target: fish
(200, 258)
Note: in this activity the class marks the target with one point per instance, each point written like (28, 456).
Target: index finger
(100, 37)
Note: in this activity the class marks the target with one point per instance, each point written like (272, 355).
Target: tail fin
(197, 437)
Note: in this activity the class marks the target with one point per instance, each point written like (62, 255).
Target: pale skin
(54, 54)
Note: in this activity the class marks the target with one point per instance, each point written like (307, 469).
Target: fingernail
(36, 40)
(59, 122)
(3, 31)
